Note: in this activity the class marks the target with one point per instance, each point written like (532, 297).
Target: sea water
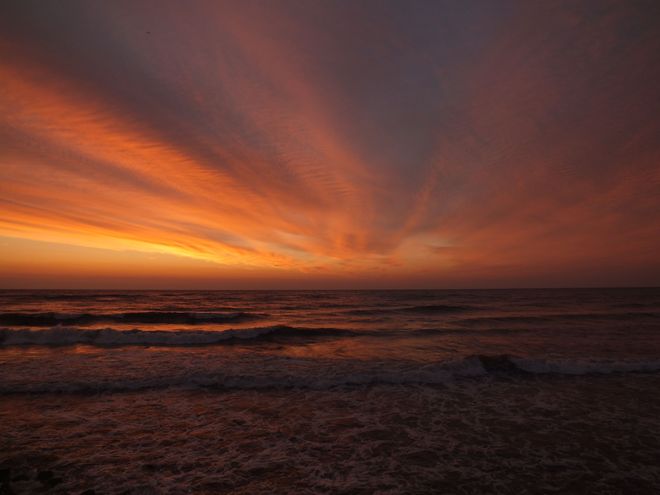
(458, 391)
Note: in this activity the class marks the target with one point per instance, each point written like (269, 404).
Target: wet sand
(496, 434)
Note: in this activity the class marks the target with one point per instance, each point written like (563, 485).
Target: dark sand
(503, 434)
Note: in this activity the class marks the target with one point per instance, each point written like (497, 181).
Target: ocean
(389, 392)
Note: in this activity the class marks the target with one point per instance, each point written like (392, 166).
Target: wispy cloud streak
(429, 143)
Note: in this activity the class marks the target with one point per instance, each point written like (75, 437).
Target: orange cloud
(325, 142)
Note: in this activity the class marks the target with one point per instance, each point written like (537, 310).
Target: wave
(584, 367)
(44, 295)
(435, 308)
(63, 336)
(504, 363)
(561, 317)
(173, 317)
(289, 373)
(423, 309)
(281, 374)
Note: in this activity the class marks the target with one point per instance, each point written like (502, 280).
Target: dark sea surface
(448, 391)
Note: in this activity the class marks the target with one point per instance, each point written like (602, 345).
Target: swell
(435, 308)
(421, 309)
(66, 336)
(345, 375)
(561, 317)
(36, 296)
(175, 317)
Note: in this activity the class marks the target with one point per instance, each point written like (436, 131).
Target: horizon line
(333, 289)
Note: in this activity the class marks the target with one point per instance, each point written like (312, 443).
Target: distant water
(318, 338)
(378, 377)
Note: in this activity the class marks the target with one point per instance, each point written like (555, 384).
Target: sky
(329, 144)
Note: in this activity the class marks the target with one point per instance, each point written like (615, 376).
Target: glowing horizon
(328, 144)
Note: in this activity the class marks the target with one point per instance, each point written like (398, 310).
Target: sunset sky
(312, 144)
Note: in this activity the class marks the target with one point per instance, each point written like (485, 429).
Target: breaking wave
(62, 336)
(496, 364)
(288, 373)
